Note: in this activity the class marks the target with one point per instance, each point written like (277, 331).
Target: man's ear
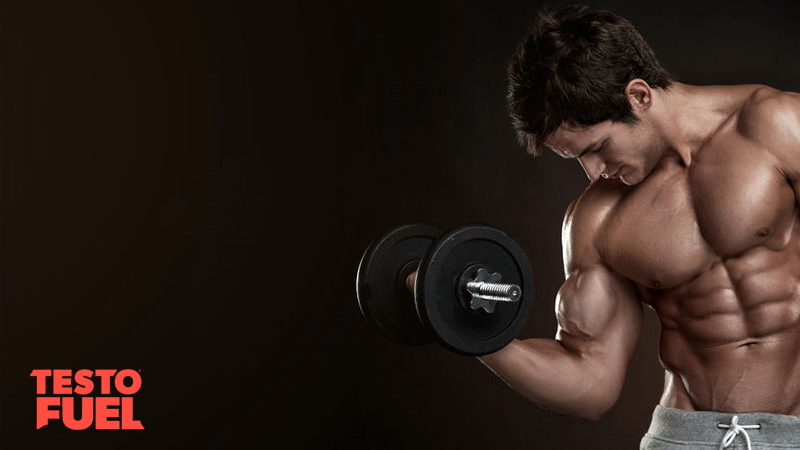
(639, 94)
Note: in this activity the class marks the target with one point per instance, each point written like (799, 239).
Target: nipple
(764, 231)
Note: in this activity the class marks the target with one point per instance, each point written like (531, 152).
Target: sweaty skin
(694, 212)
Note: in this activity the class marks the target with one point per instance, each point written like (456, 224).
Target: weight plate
(384, 299)
(438, 305)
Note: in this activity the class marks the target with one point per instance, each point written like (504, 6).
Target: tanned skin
(693, 210)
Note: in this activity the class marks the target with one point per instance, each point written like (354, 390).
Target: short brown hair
(572, 68)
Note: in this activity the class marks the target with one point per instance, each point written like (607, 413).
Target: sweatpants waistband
(703, 427)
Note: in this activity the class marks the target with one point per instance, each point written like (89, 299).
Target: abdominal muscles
(731, 337)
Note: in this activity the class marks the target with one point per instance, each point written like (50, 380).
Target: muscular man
(692, 209)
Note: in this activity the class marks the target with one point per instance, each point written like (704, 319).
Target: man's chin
(629, 179)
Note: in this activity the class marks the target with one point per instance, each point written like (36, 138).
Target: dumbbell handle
(497, 292)
(483, 290)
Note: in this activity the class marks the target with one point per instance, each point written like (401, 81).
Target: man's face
(614, 150)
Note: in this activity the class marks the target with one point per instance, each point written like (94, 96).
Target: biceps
(599, 315)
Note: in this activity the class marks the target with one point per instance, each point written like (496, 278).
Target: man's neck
(687, 116)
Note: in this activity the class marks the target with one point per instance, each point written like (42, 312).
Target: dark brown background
(187, 188)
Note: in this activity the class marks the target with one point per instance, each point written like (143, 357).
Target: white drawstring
(734, 430)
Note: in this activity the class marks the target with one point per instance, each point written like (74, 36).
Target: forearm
(555, 378)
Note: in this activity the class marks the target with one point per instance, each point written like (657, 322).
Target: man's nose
(593, 166)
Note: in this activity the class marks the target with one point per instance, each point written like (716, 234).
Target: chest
(680, 221)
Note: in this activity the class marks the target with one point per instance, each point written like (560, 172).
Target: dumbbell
(473, 289)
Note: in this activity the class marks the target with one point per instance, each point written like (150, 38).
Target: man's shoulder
(767, 111)
(586, 215)
(770, 119)
(599, 198)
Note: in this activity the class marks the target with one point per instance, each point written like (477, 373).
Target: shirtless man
(692, 209)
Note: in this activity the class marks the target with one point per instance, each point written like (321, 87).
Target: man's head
(612, 149)
(573, 68)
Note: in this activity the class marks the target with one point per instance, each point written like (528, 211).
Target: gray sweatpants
(684, 430)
